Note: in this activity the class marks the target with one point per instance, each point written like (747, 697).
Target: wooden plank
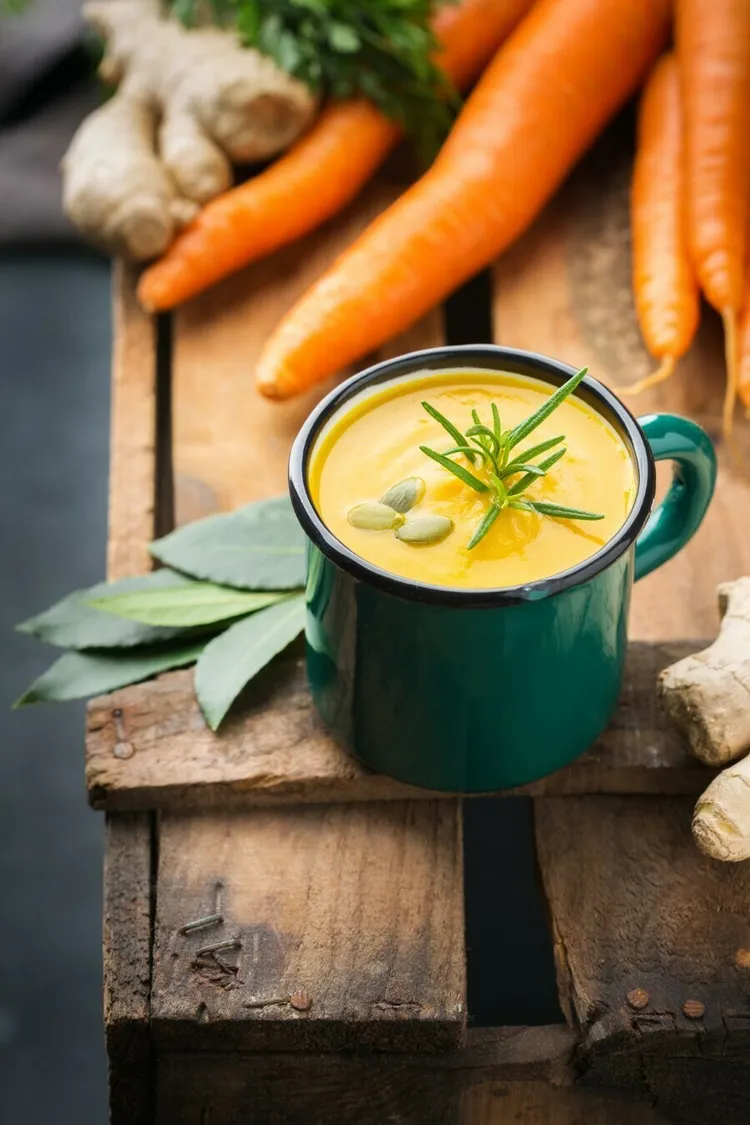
(365, 1089)
(127, 967)
(276, 750)
(565, 290)
(499, 1103)
(653, 926)
(354, 906)
(128, 840)
(304, 887)
(132, 464)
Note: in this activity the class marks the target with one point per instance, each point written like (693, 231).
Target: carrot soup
(401, 509)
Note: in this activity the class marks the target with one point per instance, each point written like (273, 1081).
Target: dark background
(54, 428)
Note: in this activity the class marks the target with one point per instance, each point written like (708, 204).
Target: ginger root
(707, 695)
(187, 103)
(721, 821)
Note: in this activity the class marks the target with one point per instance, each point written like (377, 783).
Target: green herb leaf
(534, 471)
(457, 470)
(380, 49)
(448, 426)
(74, 623)
(492, 513)
(258, 547)
(343, 38)
(496, 426)
(78, 675)
(523, 429)
(559, 511)
(471, 453)
(500, 490)
(490, 442)
(189, 605)
(230, 661)
(535, 450)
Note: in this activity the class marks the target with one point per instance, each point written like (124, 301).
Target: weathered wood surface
(132, 459)
(369, 1089)
(127, 930)
(127, 967)
(632, 902)
(537, 1103)
(276, 750)
(652, 947)
(357, 907)
(509, 1075)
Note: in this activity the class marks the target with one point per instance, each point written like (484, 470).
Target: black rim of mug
(493, 358)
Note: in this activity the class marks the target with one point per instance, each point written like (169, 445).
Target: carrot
(319, 175)
(743, 348)
(664, 281)
(538, 106)
(713, 51)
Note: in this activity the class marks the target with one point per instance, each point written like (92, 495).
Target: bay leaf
(73, 623)
(79, 675)
(230, 661)
(186, 606)
(258, 547)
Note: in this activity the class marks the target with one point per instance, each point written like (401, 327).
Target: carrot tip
(729, 319)
(662, 373)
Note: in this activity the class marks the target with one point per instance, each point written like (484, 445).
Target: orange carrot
(713, 51)
(743, 348)
(664, 281)
(319, 175)
(538, 106)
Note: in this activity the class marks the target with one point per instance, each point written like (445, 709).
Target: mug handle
(681, 512)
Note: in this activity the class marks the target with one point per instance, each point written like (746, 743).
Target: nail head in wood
(301, 1001)
(638, 998)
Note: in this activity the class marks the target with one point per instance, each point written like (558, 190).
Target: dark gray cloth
(45, 92)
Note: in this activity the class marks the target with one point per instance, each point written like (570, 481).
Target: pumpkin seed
(425, 530)
(374, 517)
(404, 495)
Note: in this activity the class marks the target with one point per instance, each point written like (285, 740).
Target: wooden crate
(355, 897)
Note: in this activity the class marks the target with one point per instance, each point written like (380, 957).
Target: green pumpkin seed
(404, 495)
(374, 517)
(422, 531)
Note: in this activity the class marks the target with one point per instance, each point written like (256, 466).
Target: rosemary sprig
(492, 446)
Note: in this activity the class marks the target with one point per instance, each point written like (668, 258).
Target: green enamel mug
(386, 656)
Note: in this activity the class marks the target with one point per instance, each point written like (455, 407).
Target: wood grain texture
(128, 840)
(652, 925)
(127, 967)
(537, 1103)
(276, 750)
(358, 906)
(132, 464)
(565, 290)
(355, 1089)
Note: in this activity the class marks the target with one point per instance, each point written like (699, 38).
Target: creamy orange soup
(375, 443)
